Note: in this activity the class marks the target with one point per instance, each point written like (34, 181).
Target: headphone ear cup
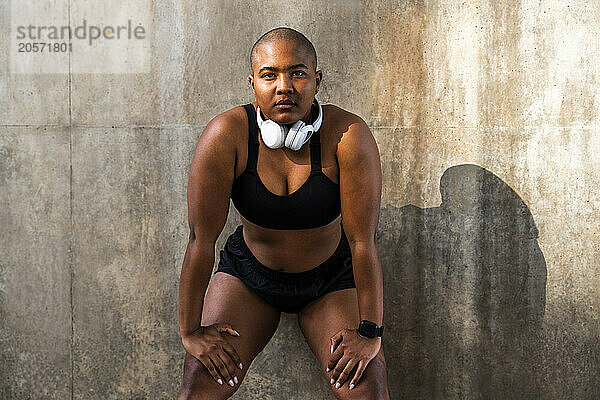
(293, 139)
(273, 134)
(305, 134)
(300, 132)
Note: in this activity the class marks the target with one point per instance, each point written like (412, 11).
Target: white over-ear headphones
(276, 136)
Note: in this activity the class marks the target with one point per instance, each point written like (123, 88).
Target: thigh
(228, 300)
(325, 317)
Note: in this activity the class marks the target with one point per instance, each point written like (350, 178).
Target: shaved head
(283, 33)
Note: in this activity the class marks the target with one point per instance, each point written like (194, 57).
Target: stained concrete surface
(486, 116)
(35, 275)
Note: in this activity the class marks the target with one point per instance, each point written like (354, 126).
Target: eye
(300, 73)
(268, 75)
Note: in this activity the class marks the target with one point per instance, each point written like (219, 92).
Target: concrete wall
(487, 118)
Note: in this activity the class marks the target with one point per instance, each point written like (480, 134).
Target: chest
(283, 171)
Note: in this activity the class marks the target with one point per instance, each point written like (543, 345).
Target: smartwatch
(369, 329)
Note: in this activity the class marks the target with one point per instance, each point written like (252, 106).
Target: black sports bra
(316, 203)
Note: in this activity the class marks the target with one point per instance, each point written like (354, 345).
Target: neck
(309, 117)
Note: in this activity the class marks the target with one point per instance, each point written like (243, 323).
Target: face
(283, 72)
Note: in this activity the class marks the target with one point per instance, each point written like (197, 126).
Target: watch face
(367, 329)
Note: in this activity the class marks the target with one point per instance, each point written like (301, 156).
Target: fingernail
(240, 365)
(337, 385)
(235, 379)
(351, 386)
(328, 369)
(231, 382)
(237, 333)
(331, 381)
(220, 381)
(332, 348)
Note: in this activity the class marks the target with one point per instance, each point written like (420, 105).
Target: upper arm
(211, 178)
(360, 182)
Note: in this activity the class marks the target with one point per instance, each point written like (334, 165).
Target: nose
(284, 84)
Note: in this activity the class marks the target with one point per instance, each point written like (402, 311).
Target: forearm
(195, 275)
(368, 277)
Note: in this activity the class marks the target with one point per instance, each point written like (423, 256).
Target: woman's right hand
(216, 354)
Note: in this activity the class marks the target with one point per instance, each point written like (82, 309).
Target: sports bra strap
(315, 152)
(252, 138)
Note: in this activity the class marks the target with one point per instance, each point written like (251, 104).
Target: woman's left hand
(348, 349)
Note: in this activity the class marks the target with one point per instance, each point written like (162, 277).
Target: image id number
(26, 47)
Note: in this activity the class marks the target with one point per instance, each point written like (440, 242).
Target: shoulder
(228, 123)
(353, 133)
(225, 130)
(340, 116)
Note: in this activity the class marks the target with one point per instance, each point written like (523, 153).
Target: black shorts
(287, 291)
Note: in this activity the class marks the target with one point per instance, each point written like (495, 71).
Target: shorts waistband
(290, 276)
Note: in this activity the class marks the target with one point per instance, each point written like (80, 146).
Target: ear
(251, 81)
(318, 77)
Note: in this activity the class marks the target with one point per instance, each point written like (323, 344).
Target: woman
(309, 203)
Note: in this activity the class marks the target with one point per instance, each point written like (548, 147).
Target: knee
(198, 383)
(372, 384)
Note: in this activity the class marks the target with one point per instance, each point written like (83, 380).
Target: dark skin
(349, 157)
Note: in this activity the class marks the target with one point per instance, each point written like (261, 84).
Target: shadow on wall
(465, 288)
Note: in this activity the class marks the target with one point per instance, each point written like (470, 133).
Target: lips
(285, 102)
